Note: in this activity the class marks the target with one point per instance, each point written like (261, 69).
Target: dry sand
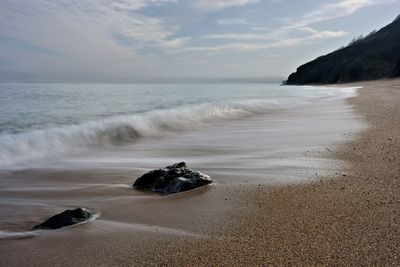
(350, 219)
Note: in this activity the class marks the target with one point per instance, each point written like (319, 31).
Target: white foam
(19, 149)
(8, 234)
(147, 228)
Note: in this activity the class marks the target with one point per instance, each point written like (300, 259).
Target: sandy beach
(199, 133)
(349, 218)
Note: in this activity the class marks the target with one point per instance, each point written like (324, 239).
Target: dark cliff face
(376, 56)
(396, 72)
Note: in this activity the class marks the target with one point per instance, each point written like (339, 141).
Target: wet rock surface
(172, 179)
(63, 219)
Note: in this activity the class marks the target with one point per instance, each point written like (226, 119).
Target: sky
(149, 40)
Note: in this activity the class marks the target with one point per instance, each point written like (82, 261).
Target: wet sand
(350, 218)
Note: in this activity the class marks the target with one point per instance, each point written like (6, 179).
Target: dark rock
(66, 218)
(375, 56)
(172, 179)
(396, 72)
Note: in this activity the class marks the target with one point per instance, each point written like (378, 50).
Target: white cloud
(232, 21)
(242, 36)
(330, 11)
(137, 4)
(277, 35)
(95, 23)
(219, 4)
(89, 37)
(313, 35)
(174, 43)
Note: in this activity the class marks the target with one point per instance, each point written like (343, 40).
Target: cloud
(280, 34)
(259, 28)
(242, 36)
(232, 21)
(131, 37)
(330, 11)
(72, 39)
(17, 44)
(137, 4)
(90, 23)
(313, 35)
(220, 4)
(175, 42)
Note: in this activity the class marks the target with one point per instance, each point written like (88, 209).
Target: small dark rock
(63, 219)
(172, 179)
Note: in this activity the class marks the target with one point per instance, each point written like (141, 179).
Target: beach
(331, 199)
(349, 219)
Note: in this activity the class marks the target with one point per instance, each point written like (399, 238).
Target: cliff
(374, 57)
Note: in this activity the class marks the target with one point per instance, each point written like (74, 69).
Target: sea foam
(29, 147)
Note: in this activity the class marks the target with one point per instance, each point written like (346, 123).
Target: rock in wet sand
(172, 179)
(63, 219)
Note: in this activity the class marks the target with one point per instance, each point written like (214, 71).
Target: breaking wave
(35, 145)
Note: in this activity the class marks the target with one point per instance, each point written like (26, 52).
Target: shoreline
(350, 219)
(249, 224)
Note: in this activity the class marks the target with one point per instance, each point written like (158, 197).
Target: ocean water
(83, 145)
(43, 122)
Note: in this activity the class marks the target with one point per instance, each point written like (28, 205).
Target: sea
(83, 145)
(48, 124)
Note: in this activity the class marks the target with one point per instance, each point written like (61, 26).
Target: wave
(7, 234)
(39, 144)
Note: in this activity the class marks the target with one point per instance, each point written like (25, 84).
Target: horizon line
(164, 80)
